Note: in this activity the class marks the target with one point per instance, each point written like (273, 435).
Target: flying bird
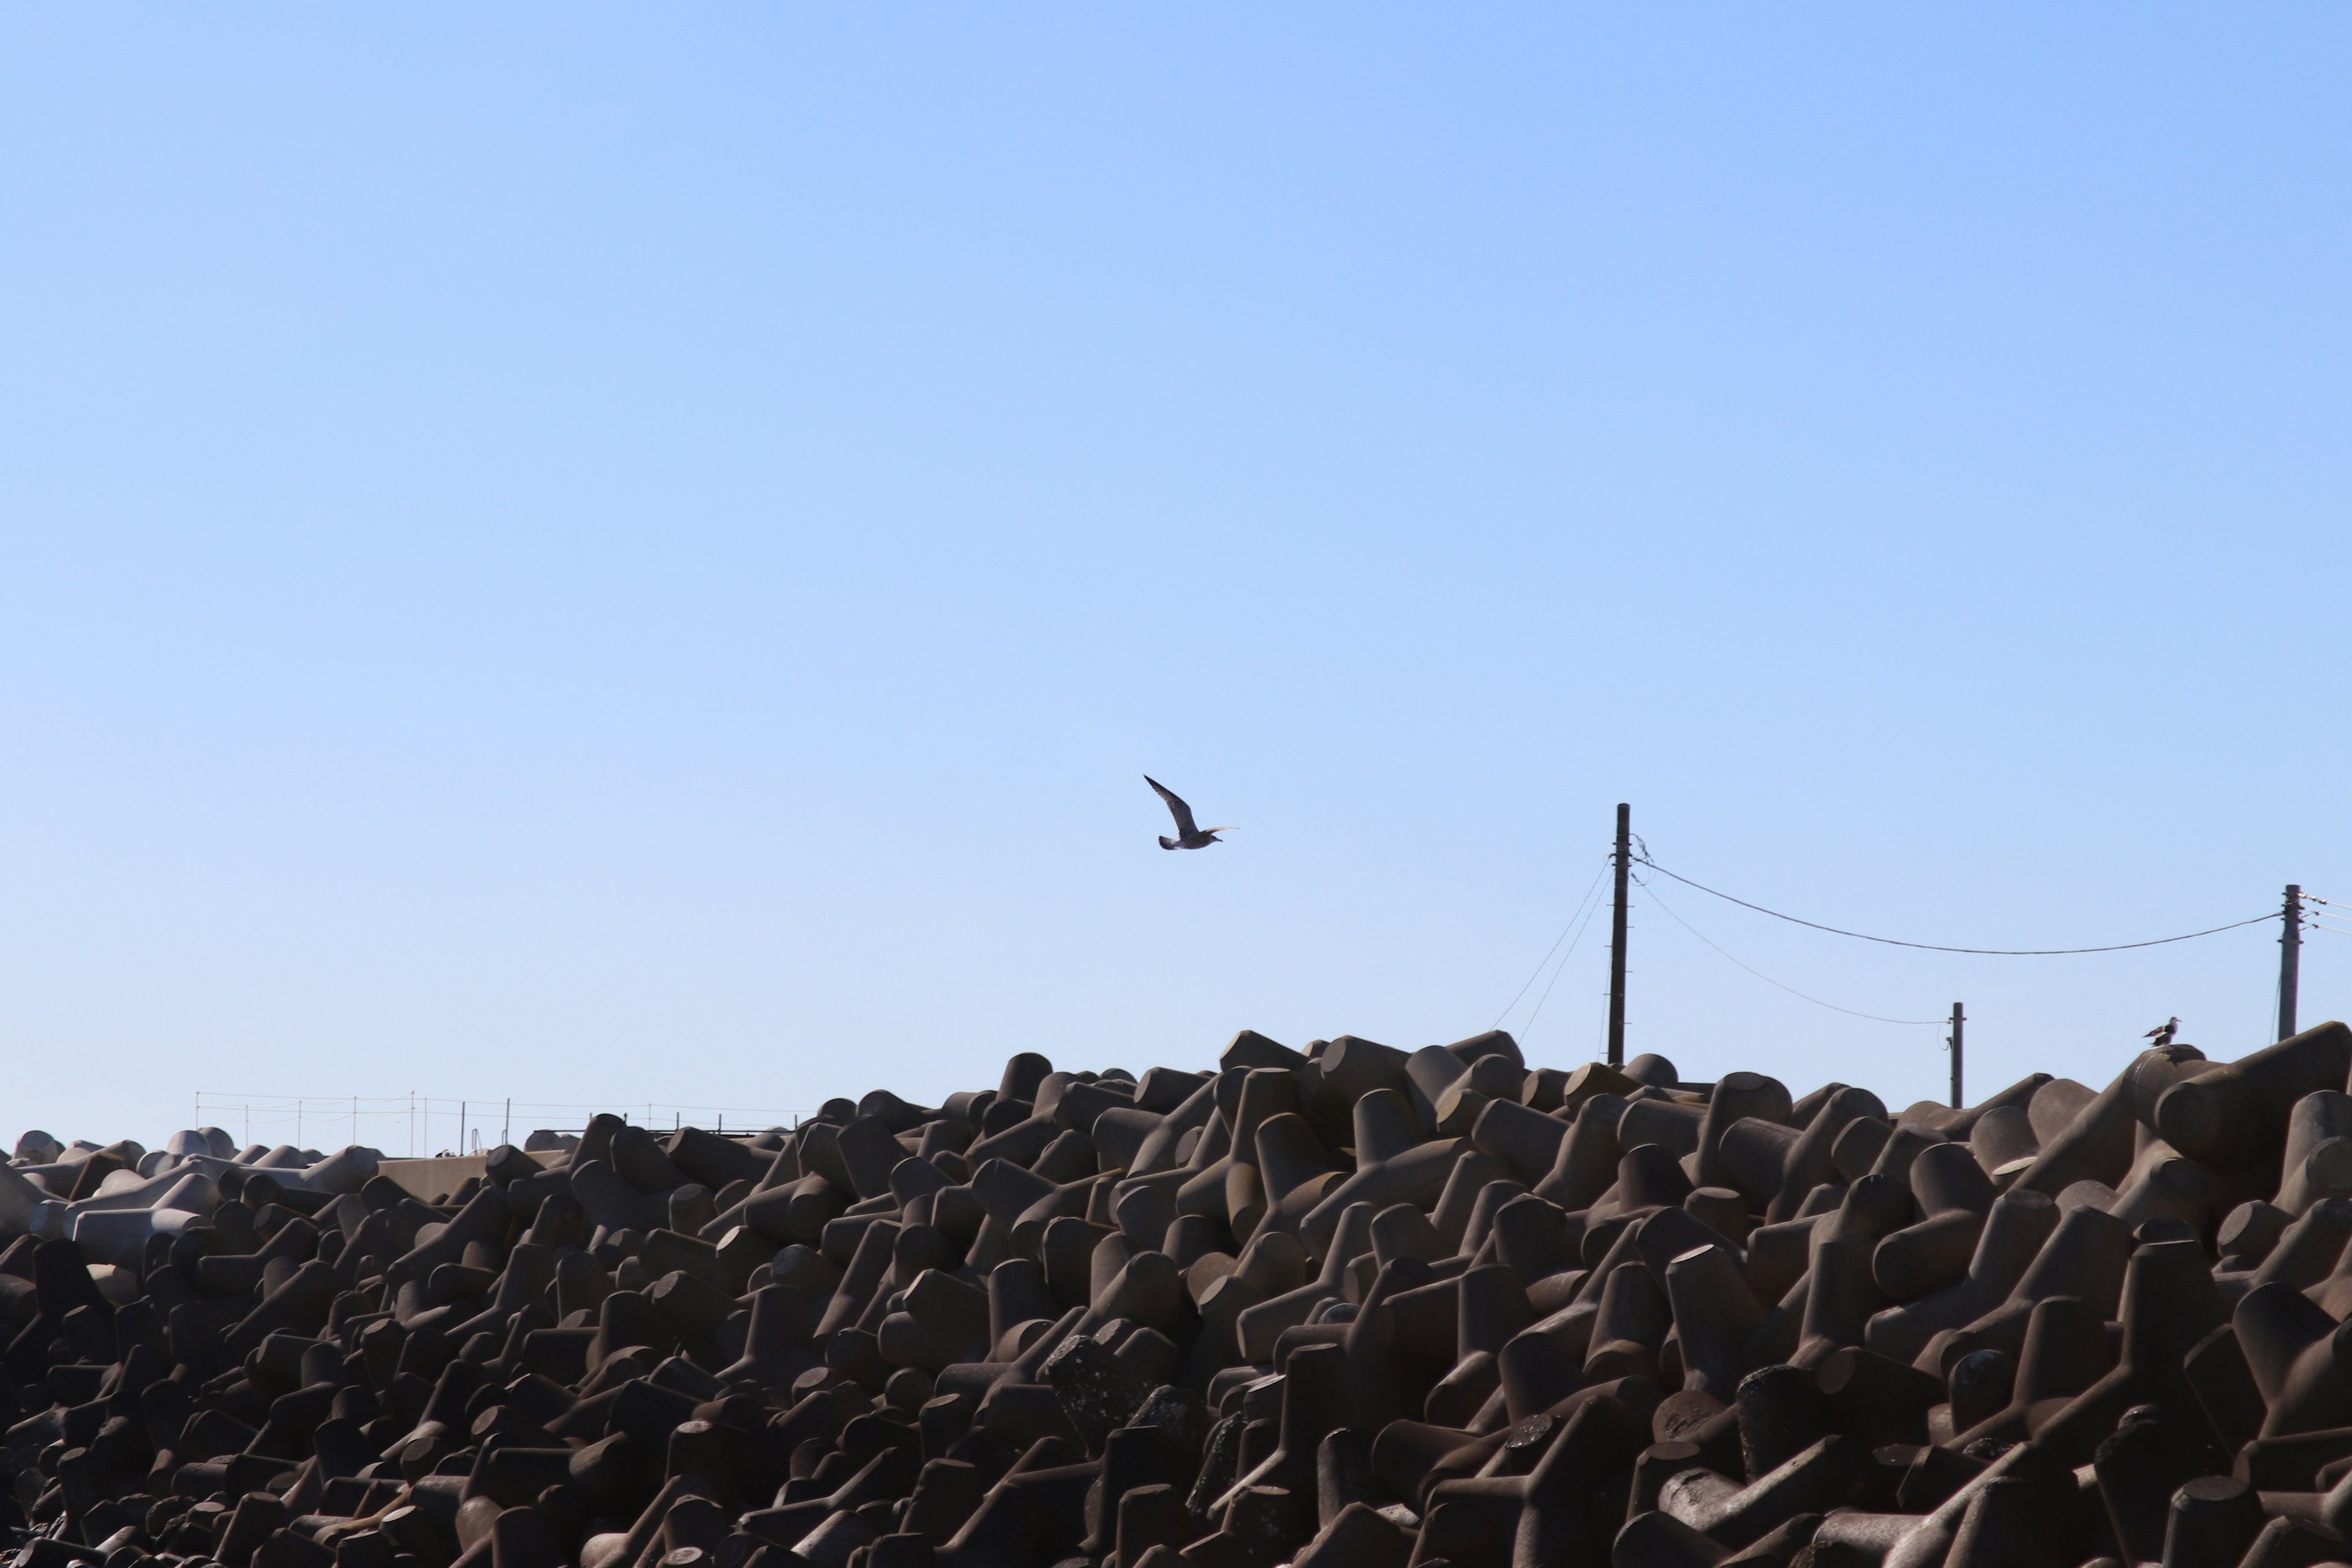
(1187, 836)
(2162, 1034)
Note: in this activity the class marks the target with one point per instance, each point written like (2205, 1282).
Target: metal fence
(416, 1126)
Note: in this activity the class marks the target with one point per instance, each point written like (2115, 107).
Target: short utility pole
(2290, 957)
(1623, 860)
(1960, 1022)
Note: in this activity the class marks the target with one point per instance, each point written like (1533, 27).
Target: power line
(1546, 959)
(1849, 1012)
(1564, 957)
(1935, 947)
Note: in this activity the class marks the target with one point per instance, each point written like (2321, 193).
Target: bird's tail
(1168, 844)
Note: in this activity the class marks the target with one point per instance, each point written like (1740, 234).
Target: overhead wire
(1528, 1028)
(1541, 963)
(2313, 919)
(1849, 1012)
(1938, 947)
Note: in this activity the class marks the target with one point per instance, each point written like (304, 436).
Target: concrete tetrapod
(1344, 1305)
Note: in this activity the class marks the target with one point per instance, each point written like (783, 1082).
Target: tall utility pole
(2290, 956)
(1623, 859)
(1960, 1022)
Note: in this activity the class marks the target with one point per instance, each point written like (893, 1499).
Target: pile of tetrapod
(1354, 1307)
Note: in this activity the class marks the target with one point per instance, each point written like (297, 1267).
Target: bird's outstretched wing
(1176, 807)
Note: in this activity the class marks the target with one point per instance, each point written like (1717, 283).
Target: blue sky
(611, 556)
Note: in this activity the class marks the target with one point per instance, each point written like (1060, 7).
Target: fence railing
(417, 1125)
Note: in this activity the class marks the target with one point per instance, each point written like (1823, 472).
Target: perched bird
(2162, 1034)
(1187, 836)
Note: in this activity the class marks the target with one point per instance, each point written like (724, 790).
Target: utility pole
(1959, 1021)
(1623, 859)
(2290, 957)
